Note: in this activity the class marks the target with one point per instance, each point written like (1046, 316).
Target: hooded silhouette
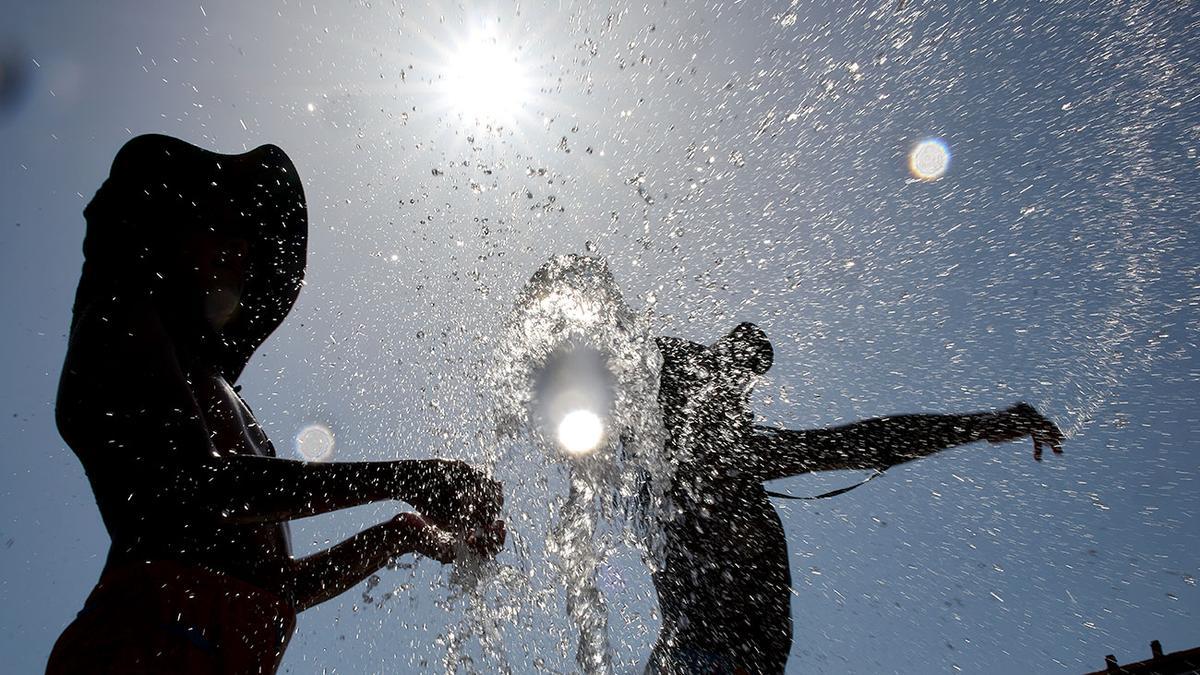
(192, 260)
(159, 191)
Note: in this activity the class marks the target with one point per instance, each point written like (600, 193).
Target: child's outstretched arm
(127, 407)
(887, 441)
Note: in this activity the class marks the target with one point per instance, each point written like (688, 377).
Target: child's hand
(455, 496)
(487, 541)
(1023, 420)
(414, 533)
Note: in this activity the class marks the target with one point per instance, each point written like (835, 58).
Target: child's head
(704, 391)
(216, 243)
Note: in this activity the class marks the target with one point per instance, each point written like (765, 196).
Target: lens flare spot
(929, 159)
(315, 443)
(580, 432)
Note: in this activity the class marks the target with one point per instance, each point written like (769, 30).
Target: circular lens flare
(484, 80)
(929, 159)
(315, 443)
(580, 432)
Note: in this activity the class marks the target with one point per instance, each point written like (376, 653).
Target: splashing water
(579, 449)
(1139, 235)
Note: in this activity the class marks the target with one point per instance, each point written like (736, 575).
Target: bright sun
(485, 82)
(580, 432)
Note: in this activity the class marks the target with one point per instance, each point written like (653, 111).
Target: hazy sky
(733, 161)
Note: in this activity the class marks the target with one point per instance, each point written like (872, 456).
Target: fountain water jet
(575, 356)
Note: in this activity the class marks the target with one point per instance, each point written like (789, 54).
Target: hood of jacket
(161, 189)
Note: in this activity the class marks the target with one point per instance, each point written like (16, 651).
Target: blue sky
(736, 161)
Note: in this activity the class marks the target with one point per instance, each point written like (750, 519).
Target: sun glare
(485, 82)
(580, 432)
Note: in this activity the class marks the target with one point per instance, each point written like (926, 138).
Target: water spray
(577, 376)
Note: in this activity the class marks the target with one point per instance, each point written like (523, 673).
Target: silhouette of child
(725, 587)
(192, 259)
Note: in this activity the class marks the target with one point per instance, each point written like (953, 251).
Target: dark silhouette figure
(192, 259)
(725, 587)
